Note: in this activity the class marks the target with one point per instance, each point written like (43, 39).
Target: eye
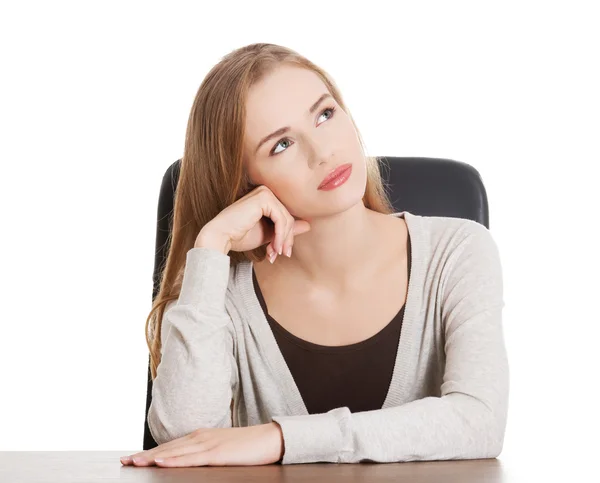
(273, 153)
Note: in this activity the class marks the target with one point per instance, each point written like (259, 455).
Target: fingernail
(272, 257)
(159, 460)
(125, 459)
(288, 252)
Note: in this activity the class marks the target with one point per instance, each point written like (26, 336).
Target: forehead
(281, 98)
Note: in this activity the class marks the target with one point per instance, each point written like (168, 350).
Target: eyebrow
(285, 129)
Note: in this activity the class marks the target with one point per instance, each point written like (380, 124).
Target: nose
(320, 154)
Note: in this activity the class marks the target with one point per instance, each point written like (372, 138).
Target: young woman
(300, 319)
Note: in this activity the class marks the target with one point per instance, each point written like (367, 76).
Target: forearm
(197, 372)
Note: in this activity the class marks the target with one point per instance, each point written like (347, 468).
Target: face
(293, 164)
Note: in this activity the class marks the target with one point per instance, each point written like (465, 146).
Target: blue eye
(272, 153)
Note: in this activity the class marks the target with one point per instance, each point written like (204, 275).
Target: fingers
(147, 457)
(284, 231)
(190, 449)
(289, 239)
(279, 219)
(190, 444)
(294, 227)
(198, 458)
(275, 210)
(286, 227)
(301, 226)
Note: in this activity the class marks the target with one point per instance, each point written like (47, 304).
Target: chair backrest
(422, 186)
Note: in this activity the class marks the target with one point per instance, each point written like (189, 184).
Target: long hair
(212, 175)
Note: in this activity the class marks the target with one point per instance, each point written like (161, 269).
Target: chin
(328, 203)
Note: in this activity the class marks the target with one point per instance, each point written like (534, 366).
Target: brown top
(356, 376)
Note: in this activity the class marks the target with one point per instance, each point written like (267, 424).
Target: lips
(335, 173)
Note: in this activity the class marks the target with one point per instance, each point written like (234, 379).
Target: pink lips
(337, 177)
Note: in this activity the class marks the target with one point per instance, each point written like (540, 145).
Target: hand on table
(242, 446)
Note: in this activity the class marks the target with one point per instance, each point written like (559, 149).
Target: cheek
(288, 187)
(290, 190)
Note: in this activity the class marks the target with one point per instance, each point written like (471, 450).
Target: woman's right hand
(241, 226)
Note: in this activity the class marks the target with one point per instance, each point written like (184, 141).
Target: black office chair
(422, 186)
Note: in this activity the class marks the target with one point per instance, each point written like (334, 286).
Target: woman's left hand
(242, 446)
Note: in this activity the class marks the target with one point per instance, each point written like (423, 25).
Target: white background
(95, 98)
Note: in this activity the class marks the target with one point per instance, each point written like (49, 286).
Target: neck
(336, 248)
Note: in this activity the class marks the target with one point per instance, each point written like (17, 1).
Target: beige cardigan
(448, 398)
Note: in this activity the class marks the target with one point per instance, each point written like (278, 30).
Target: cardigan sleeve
(197, 375)
(468, 420)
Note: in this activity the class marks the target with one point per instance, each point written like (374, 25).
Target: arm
(468, 420)
(197, 374)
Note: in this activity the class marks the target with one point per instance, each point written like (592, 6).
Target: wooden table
(93, 466)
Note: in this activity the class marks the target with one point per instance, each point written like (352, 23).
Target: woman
(299, 318)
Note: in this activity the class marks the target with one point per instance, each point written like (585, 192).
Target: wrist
(219, 243)
(280, 438)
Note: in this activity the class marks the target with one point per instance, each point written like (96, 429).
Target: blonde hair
(212, 175)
